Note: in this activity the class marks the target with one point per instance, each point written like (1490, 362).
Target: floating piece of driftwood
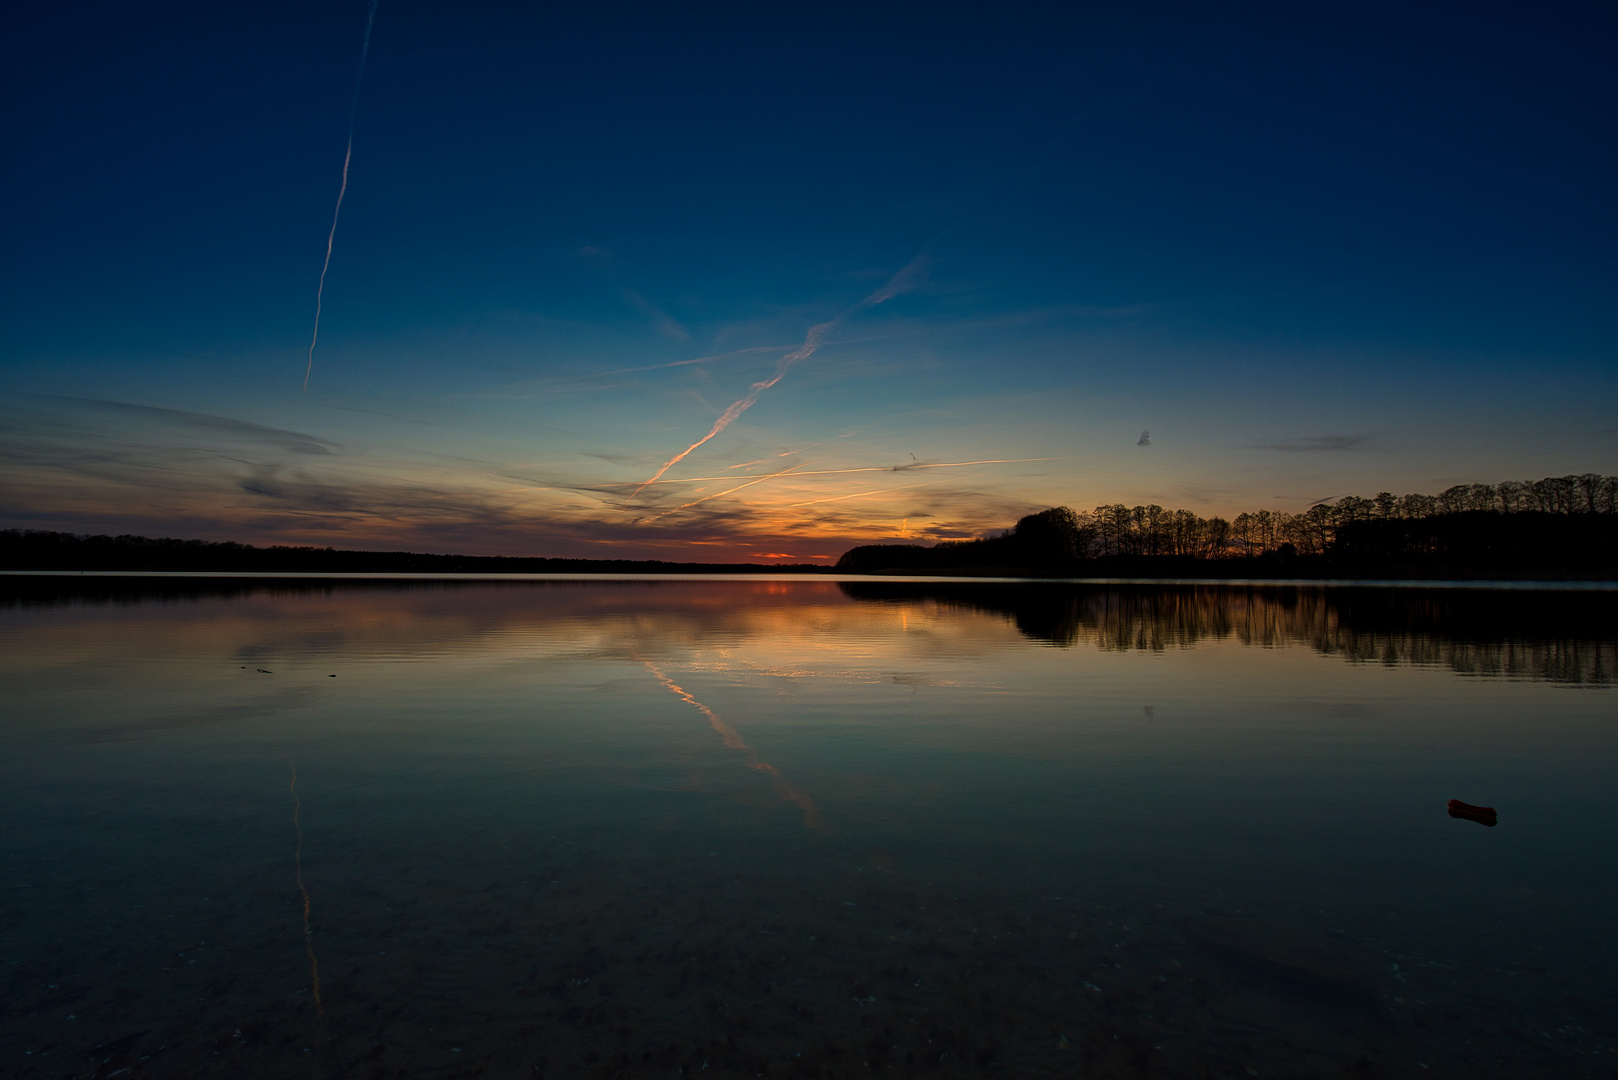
(1483, 815)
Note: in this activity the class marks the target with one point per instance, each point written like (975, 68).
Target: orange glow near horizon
(366, 501)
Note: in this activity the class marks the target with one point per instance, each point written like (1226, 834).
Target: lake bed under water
(804, 827)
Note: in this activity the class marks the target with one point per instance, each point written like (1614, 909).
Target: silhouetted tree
(1055, 535)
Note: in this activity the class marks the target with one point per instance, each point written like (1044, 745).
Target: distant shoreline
(1471, 546)
(822, 574)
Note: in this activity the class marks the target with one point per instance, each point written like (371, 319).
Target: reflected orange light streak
(297, 860)
(732, 738)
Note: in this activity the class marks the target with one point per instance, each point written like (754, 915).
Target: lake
(804, 827)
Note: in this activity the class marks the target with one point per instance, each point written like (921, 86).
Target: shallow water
(804, 828)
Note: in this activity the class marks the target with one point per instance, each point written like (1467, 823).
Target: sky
(879, 272)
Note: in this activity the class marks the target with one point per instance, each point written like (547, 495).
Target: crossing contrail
(811, 342)
(738, 487)
(353, 110)
(862, 494)
(908, 467)
(898, 283)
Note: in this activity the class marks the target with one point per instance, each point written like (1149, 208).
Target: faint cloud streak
(1313, 443)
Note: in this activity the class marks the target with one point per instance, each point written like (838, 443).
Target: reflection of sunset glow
(809, 626)
(733, 739)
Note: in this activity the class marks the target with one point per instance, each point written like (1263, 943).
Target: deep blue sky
(1314, 249)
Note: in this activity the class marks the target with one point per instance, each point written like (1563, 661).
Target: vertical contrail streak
(353, 111)
(898, 283)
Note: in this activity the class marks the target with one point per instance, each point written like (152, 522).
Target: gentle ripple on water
(804, 828)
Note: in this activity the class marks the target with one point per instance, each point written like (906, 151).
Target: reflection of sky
(796, 697)
(919, 722)
(570, 241)
(605, 783)
(774, 637)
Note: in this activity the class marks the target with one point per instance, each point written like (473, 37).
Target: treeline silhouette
(1559, 525)
(1567, 638)
(35, 549)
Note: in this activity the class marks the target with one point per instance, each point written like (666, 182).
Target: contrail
(738, 487)
(683, 363)
(895, 285)
(353, 111)
(907, 467)
(862, 494)
(811, 342)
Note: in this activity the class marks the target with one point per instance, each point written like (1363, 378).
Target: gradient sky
(1314, 250)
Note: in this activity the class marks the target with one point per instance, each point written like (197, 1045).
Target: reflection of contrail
(353, 110)
(895, 285)
(738, 487)
(297, 860)
(733, 739)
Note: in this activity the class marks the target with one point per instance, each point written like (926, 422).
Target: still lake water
(804, 828)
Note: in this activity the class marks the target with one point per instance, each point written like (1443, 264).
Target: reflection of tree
(1556, 637)
(1565, 637)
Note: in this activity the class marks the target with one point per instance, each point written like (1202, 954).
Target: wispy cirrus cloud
(604, 263)
(1313, 443)
(661, 321)
(98, 415)
(108, 466)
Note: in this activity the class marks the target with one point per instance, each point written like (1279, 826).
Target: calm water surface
(804, 828)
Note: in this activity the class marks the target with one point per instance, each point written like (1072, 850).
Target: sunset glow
(611, 287)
